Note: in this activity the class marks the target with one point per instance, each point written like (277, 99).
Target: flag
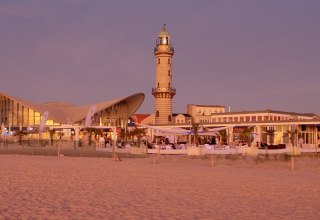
(43, 121)
(90, 113)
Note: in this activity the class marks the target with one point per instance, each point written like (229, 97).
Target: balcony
(163, 89)
(163, 49)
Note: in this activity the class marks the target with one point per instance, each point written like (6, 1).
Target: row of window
(13, 114)
(158, 114)
(162, 40)
(169, 61)
(169, 85)
(209, 111)
(182, 121)
(243, 119)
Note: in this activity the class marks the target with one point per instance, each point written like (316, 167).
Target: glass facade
(116, 115)
(15, 115)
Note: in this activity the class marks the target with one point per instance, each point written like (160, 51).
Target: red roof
(138, 118)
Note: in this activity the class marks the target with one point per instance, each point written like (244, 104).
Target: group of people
(99, 140)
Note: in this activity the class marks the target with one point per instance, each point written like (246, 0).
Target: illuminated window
(49, 122)
(37, 118)
(31, 117)
(164, 40)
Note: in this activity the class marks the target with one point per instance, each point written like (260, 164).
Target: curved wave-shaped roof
(65, 113)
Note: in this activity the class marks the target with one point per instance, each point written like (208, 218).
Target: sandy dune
(47, 187)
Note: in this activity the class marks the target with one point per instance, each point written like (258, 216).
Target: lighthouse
(163, 90)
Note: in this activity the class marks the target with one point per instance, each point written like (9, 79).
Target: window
(253, 118)
(158, 60)
(37, 118)
(157, 113)
(169, 85)
(169, 61)
(31, 117)
(169, 117)
(235, 119)
(158, 85)
(259, 118)
(169, 72)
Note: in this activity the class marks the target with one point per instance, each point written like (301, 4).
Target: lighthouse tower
(163, 91)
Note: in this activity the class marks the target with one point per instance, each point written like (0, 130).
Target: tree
(293, 136)
(51, 132)
(246, 133)
(195, 127)
(122, 136)
(139, 133)
(20, 134)
(223, 136)
(271, 134)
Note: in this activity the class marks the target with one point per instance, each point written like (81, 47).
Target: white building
(203, 113)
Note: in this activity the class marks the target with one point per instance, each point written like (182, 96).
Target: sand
(48, 187)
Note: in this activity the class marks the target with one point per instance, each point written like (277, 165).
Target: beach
(51, 187)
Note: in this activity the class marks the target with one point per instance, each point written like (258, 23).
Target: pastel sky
(247, 54)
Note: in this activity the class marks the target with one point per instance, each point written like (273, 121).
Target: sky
(246, 54)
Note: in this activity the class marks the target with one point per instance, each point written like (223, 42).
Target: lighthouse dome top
(164, 32)
(163, 37)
